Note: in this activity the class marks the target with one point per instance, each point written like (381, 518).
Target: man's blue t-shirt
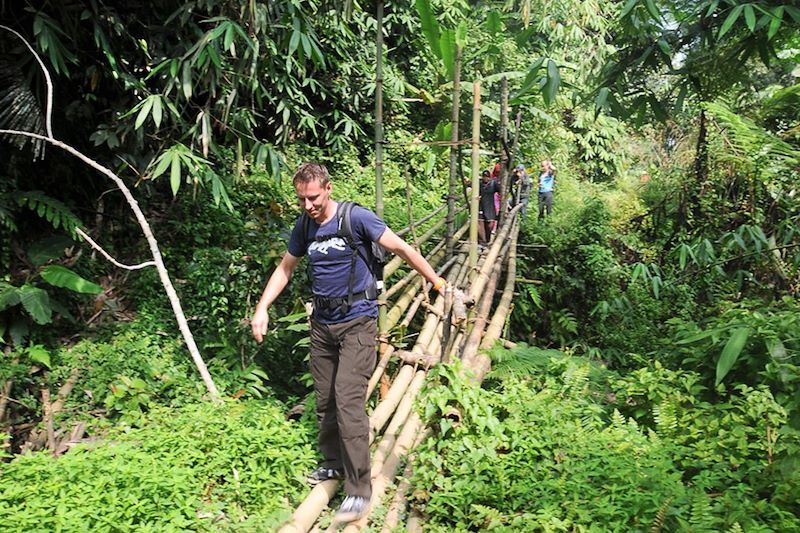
(546, 182)
(331, 259)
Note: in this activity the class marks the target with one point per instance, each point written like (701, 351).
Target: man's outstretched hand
(259, 324)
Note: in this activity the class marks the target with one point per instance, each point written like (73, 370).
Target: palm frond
(19, 109)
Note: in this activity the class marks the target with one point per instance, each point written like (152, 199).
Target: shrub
(202, 467)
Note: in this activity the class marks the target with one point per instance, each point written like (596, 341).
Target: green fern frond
(750, 141)
(50, 209)
(658, 522)
(522, 361)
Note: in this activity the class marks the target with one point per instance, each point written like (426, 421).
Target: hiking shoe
(324, 474)
(352, 508)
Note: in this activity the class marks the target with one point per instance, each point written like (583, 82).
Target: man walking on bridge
(343, 323)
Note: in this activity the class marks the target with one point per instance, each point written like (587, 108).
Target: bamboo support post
(476, 162)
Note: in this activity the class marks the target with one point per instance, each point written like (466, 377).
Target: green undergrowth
(572, 446)
(238, 466)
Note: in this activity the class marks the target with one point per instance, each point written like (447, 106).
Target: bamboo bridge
(448, 333)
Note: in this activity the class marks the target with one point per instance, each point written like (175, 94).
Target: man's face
(314, 199)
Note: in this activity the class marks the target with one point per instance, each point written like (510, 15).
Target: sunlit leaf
(731, 351)
(60, 276)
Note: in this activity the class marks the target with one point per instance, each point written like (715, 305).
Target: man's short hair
(310, 171)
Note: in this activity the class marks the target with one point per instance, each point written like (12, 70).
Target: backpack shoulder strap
(345, 225)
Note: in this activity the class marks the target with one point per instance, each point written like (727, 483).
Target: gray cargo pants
(342, 360)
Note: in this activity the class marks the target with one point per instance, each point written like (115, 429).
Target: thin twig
(107, 256)
(49, 108)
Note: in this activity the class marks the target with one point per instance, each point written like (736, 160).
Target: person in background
(521, 185)
(547, 184)
(487, 214)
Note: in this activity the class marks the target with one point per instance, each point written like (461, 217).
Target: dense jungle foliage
(654, 386)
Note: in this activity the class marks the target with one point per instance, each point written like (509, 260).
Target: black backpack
(374, 256)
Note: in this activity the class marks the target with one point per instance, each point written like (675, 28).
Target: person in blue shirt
(547, 184)
(343, 326)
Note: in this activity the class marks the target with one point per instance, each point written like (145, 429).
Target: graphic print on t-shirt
(337, 243)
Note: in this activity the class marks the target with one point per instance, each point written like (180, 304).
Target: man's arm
(277, 282)
(395, 244)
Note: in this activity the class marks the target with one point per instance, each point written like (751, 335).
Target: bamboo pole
(451, 189)
(401, 448)
(481, 363)
(421, 221)
(394, 264)
(476, 170)
(503, 149)
(384, 409)
(481, 315)
(479, 283)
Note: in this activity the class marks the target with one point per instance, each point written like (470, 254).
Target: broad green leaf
(776, 349)
(637, 271)
(731, 351)
(59, 276)
(550, 88)
(712, 8)
(9, 296)
(602, 98)
(43, 251)
(447, 47)
(430, 27)
(733, 16)
(494, 23)
(697, 337)
(38, 354)
(461, 34)
(36, 303)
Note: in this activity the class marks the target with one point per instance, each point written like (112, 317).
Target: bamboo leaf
(775, 23)
(175, 174)
(731, 351)
(157, 111)
(731, 20)
(628, 8)
(143, 112)
(652, 9)
(186, 79)
(750, 17)
(59, 276)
